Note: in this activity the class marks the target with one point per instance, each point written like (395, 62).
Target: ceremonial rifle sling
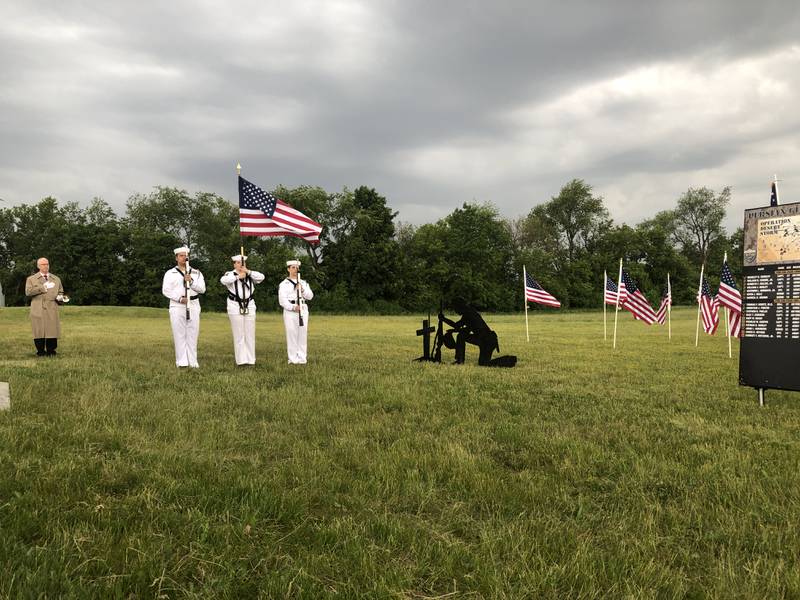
(243, 299)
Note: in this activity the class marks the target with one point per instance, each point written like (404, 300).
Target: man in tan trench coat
(45, 291)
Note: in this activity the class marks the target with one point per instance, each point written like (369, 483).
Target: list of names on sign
(772, 298)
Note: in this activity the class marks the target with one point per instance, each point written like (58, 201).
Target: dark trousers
(485, 340)
(45, 346)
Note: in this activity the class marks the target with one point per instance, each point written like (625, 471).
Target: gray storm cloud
(433, 104)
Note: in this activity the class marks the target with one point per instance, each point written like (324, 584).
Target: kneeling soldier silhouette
(469, 329)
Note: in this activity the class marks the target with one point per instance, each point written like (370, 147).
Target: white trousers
(185, 333)
(296, 336)
(243, 328)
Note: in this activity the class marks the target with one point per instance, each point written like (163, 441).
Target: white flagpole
(605, 325)
(669, 307)
(728, 317)
(699, 292)
(728, 329)
(525, 300)
(616, 307)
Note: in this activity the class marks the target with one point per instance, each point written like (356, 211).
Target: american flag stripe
(640, 307)
(730, 297)
(541, 297)
(636, 302)
(709, 308)
(534, 292)
(735, 323)
(661, 313)
(666, 302)
(610, 295)
(283, 222)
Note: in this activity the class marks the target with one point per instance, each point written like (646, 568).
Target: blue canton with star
(630, 285)
(254, 198)
(727, 276)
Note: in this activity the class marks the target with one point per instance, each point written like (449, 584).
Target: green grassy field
(582, 473)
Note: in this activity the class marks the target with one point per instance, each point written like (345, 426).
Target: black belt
(195, 297)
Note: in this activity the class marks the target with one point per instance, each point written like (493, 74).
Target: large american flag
(610, 294)
(262, 214)
(730, 297)
(666, 302)
(635, 300)
(535, 293)
(709, 308)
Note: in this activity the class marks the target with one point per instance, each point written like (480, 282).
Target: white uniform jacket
(173, 289)
(287, 296)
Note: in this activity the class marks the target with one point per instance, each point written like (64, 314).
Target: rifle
(438, 341)
(299, 299)
(186, 288)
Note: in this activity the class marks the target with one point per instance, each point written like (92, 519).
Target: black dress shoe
(52, 353)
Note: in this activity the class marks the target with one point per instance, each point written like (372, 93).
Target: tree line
(367, 261)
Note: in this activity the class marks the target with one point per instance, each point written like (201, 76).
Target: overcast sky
(431, 103)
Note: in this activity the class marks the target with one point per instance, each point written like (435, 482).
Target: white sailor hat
(181, 250)
(239, 257)
(293, 263)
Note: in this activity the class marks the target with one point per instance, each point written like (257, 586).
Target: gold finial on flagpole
(238, 169)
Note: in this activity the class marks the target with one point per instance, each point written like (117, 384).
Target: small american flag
(730, 297)
(709, 308)
(610, 294)
(262, 214)
(666, 302)
(536, 293)
(636, 302)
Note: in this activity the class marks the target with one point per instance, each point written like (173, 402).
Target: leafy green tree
(469, 253)
(578, 217)
(698, 221)
(362, 257)
(560, 241)
(96, 248)
(205, 222)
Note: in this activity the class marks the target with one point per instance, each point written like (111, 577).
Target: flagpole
(241, 239)
(669, 307)
(616, 307)
(605, 325)
(525, 300)
(699, 292)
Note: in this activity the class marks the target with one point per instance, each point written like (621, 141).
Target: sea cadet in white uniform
(183, 285)
(241, 283)
(292, 295)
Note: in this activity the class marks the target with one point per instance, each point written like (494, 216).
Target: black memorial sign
(770, 350)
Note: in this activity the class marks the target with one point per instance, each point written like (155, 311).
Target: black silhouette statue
(469, 329)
